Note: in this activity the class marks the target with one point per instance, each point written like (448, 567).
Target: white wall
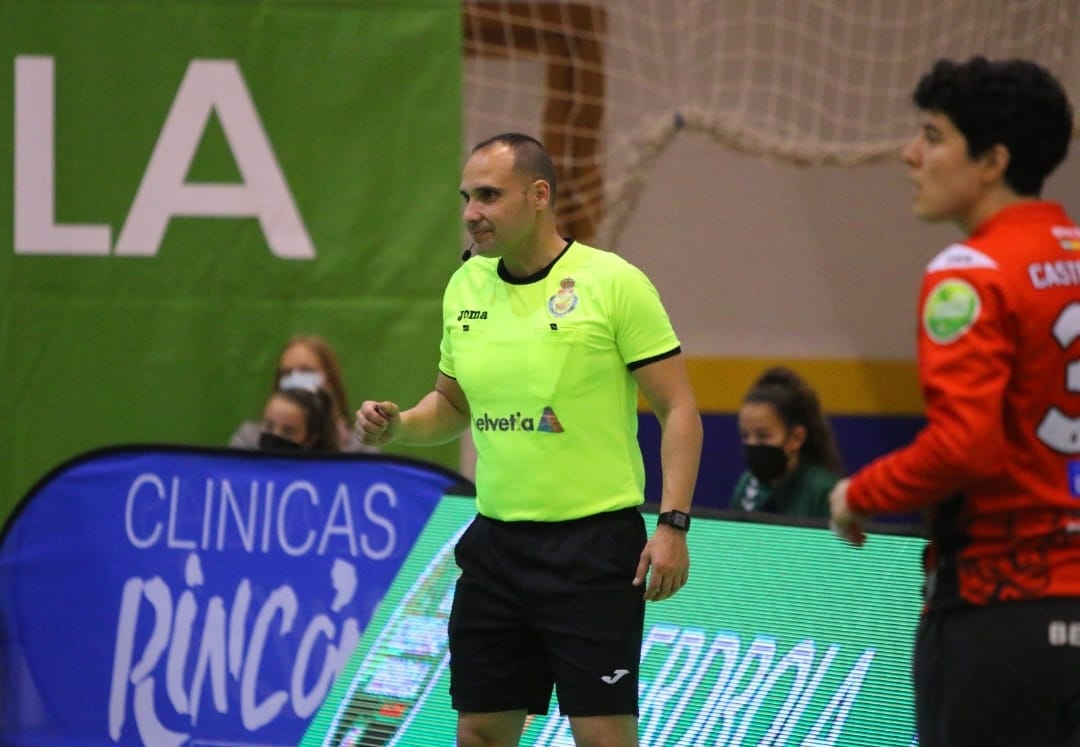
(757, 259)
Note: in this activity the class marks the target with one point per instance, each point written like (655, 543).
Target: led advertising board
(783, 636)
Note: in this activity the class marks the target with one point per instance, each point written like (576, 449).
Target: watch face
(677, 519)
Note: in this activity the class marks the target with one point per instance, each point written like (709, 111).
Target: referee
(546, 343)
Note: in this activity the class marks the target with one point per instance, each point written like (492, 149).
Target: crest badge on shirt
(951, 308)
(565, 301)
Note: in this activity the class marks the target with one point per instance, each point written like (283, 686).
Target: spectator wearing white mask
(308, 362)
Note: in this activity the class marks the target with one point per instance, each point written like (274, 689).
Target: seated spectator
(791, 456)
(308, 362)
(298, 419)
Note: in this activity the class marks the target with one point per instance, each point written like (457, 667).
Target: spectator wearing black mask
(791, 456)
(308, 362)
(298, 419)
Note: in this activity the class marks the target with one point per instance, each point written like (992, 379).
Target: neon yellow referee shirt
(545, 363)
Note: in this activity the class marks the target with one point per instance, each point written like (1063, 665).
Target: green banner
(192, 183)
(783, 636)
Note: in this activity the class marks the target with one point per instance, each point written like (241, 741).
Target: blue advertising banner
(171, 595)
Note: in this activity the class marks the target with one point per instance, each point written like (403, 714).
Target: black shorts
(1003, 675)
(543, 604)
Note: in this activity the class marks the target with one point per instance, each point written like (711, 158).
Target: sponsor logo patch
(471, 314)
(1068, 237)
(958, 257)
(951, 308)
(548, 422)
(615, 676)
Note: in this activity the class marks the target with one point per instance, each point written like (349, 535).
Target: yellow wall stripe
(846, 387)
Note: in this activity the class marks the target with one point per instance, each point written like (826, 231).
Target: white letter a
(214, 85)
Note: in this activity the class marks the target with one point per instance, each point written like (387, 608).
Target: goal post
(566, 41)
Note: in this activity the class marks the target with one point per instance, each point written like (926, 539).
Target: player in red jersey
(997, 467)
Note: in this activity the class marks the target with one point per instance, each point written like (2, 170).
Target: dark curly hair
(1014, 102)
(796, 403)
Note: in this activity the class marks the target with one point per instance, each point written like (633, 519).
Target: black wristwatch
(678, 519)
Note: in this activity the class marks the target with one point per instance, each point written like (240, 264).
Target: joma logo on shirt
(548, 422)
(471, 314)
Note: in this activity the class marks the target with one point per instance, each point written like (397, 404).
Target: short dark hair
(1014, 102)
(530, 157)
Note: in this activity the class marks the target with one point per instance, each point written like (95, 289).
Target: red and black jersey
(997, 466)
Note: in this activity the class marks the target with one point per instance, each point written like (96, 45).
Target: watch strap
(677, 519)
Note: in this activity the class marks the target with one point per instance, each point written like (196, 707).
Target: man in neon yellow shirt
(545, 344)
